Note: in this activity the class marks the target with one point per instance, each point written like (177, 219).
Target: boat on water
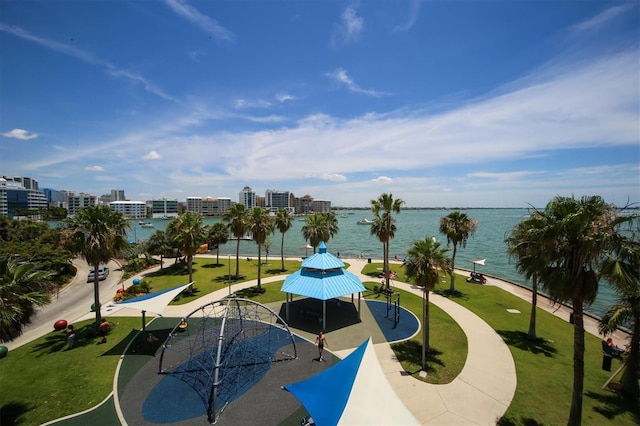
(365, 221)
(143, 224)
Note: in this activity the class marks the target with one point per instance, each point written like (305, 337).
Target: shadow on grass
(525, 421)
(411, 351)
(11, 412)
(455, 294)
(213, 265)
(56, 342)
(248, 293)
(227, 279)
(519, 340)
(612, 404)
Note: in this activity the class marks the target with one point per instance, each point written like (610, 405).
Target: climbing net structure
(224, 347)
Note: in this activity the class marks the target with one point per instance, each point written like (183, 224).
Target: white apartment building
(247, 197)
(130, 209)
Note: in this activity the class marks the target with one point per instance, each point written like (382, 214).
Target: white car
(103, 273)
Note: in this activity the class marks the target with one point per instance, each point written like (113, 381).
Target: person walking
(104, 329)
(321, 341)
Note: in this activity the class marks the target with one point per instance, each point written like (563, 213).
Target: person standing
(104, 329)
(71, 336)
(321, 341)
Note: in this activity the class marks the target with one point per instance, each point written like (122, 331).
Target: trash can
(606, 362)
(369, 260)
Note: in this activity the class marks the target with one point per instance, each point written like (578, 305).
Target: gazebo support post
(359, 318)
(287, 306)
(324, 315)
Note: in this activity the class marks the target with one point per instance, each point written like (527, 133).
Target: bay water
(353, 239)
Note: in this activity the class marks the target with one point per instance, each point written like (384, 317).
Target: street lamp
(229, 276)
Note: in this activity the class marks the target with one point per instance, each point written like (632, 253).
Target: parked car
(103, 273)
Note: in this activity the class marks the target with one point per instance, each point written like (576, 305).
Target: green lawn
(42, 380)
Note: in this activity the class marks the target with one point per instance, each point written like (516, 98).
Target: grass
(43, 380)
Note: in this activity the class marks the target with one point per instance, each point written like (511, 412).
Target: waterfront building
(55, 198)
(303, 205)
(130, 209)
(25, 181)
(276, 200)
(247, 197)
(164, 208)
(194, 205)
(75, 203)
(321, 206)
(15, 199)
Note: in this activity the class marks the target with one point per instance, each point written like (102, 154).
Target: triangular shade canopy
(355, 391)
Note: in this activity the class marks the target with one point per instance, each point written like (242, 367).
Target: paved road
(73, 301)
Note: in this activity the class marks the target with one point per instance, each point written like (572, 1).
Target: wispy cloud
(251, 104)
(333, 177)
(94, 168)
(284, 97)
(341, 76)
(21, 134)
(193, 15)
(602, 19)
(153, 155)
(350, 26)
(414, 11)
(86, 57)
(382, 179)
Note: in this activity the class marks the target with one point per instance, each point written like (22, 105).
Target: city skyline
(470, 103)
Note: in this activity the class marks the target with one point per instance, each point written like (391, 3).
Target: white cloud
(193, 15)
(21, 134)
(284, 97)
(153, 155)
(349, 27)
(340, 75)
(414, 10)
(382, 179)
(602, 19)
(333, 177)
(251, 104)
(94, 168)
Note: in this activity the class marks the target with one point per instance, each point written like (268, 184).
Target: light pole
(229, 276)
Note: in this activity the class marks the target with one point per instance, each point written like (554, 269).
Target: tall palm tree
(385, 228)
(97, 233)
(525, 245)
(188, 232)
(260, 225)
(236, 218)
(320, 227)
(218, 234)
(457, 227)
(22, 287)
(426, 260)
(622, 271)
(284, 222)
(159, 245)
(575, 235)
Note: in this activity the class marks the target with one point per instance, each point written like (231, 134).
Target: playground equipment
(393, 300)
(227, 347)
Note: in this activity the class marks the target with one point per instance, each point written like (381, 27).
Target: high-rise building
(247, 197)
(118, 195)
(25, 181)
(75, 203)
(130, 209)
(276, 200)
(16, 200)
(164, 208)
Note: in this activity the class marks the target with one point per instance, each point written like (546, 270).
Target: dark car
(103, 273)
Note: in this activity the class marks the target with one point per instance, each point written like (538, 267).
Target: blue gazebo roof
(322, 277)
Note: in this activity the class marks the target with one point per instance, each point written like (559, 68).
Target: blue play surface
(406, 327)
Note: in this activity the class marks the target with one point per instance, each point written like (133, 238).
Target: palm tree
(284, 222)
(622, 270)
(188, 232)
(320, 227)
(236, 218)
(22, 288)
(425, 262)
(159, 245)
(385, 228)
(218, 234)
(457, 227)
(98, 234)
(575, 234)
(524, 244)
(260, 225)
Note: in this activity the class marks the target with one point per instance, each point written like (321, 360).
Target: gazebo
(322, 277)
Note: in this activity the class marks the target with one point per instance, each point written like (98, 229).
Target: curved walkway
(482, 392)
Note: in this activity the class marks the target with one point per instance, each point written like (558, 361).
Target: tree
(218, 234)
(426, 260)
(236, 218)
(320, 227)
(260, 224)
(284, 222)
(159, 244)
(457, 227)
(525, 244)
(575, 234)
(622, 270)
(22, 287)
(97, 233)
(188, 232)
(384, 227)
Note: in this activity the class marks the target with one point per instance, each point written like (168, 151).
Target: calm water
(353, 239)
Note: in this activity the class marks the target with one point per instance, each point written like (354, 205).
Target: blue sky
(441, 103)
